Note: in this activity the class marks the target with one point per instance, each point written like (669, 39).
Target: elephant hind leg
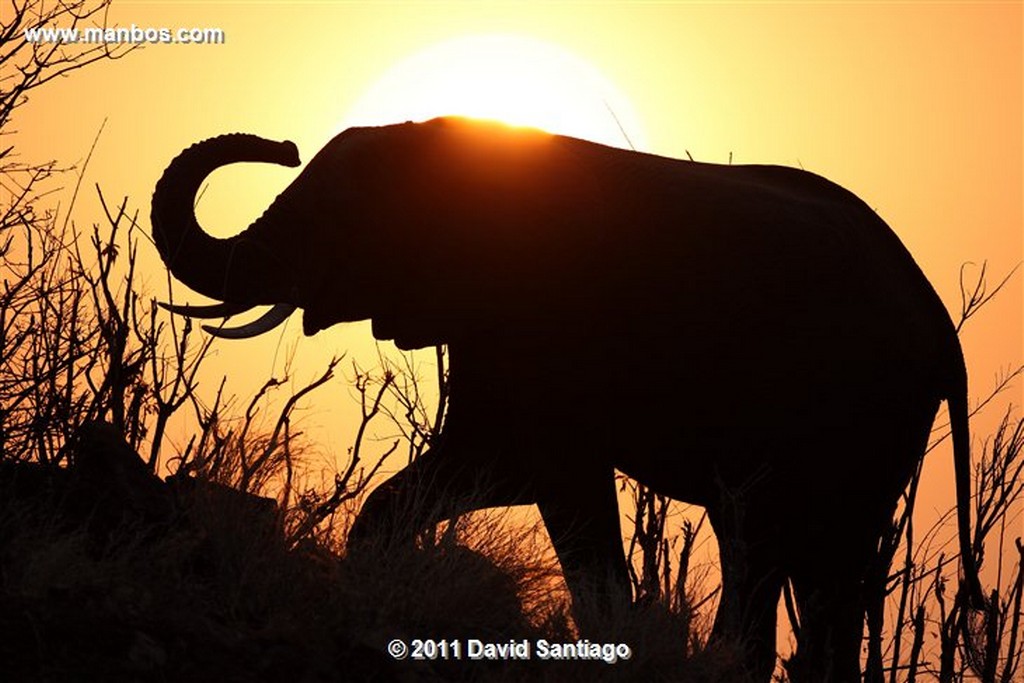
(751, 586)
(582, 519)
(831, 628)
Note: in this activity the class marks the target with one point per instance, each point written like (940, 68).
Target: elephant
(753, 339)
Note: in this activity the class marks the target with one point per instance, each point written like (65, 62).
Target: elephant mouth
(382, 330)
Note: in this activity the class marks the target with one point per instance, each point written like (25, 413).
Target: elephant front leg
(582, 518)
(440, 484)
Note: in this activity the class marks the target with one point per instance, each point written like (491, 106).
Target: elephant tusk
(223, 310)
(268, 321)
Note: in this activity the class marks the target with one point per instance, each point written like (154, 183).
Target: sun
(512, 78)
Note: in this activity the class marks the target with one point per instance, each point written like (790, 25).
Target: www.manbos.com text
(126, 35)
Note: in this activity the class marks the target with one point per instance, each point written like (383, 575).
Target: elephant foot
(755, 660)
(380, 525)
(821, 662)
(803, 670)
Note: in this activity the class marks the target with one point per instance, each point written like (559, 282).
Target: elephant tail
(960, 428)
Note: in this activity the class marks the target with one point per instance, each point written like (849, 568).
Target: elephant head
(241, 271)
(344, 244)
(292, 256)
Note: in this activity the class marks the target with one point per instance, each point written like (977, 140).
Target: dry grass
(211, 601)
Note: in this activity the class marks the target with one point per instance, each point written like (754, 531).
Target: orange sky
(915, 107)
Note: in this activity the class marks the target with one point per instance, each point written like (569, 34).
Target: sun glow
(515, 79)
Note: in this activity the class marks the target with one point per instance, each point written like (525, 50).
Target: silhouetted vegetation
(123, 558)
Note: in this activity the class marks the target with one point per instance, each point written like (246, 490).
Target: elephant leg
(831, 626)
(833, 552)
(438, 485)
(751, 586)
(582, 518)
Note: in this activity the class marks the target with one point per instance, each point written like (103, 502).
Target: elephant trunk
(239, 269)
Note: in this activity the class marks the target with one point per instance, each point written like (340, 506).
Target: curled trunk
(239, 269)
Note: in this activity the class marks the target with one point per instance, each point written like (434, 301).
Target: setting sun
(518, 80)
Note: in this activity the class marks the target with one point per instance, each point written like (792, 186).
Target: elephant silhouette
(752, 339)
